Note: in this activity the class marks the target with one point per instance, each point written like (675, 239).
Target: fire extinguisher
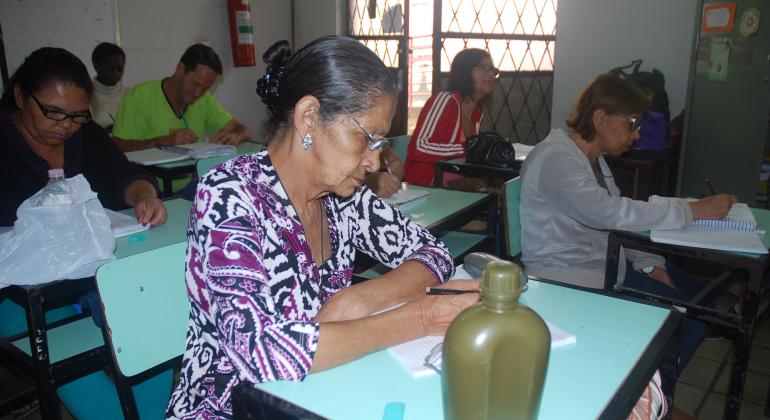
(241, 33)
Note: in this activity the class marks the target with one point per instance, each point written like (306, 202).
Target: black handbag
(489, 148)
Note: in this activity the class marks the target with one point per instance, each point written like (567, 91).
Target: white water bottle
(57, 191)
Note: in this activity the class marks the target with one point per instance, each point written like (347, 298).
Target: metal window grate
(519, 34)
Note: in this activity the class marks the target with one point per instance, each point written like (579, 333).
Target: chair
(513, 215)
(204, 165)
(146, 311)
(399, 145)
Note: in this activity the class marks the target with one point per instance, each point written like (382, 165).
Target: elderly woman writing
(569, 202)
(273, 236)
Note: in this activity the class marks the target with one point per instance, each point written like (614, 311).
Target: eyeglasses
(433, 359)
(57, 115)
(374, 144)
(489, 69)
(634, 123)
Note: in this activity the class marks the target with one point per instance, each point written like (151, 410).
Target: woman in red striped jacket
(450, 116)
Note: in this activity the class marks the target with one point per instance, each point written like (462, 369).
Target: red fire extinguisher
(241, 33)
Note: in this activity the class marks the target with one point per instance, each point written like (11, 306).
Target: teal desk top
(243, 148)
(171, 232)
(438, 205)
(613, 336)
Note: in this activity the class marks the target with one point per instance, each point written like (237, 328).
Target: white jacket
(566, 215)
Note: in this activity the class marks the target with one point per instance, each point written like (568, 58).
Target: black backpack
(489, 148)
(652, 83)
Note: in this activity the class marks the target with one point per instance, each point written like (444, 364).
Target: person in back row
(569, 202)
(451, 116)
(178, 109)
(45, 124)
(109, 61)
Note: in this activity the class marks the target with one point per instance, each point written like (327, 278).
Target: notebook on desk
(404, 196)
(167, 154)
(736, 232)
(154, 156)
(411, 355)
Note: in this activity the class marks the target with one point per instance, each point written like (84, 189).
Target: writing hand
(150, 210)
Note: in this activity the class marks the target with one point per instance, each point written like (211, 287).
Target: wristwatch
(647, 269)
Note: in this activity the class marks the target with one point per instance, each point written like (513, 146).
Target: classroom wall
(594, 36)
(77, 25)
(154, 35)
(316, 18)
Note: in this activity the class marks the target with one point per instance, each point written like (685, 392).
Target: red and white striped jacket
(437, 136)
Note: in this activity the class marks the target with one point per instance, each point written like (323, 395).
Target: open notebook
(736, 232)
(404, 196)
(166, 154)
(412, 354)
(124, 225)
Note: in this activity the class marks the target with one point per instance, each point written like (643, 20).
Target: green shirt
(145, 113)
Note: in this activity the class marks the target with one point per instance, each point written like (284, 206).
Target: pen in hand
(711, 187)
(441, 291)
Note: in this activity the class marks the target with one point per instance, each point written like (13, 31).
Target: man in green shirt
(178, 109)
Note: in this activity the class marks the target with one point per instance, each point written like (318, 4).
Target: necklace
(321, 227)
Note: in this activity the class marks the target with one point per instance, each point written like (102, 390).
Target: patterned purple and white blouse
(254, 288)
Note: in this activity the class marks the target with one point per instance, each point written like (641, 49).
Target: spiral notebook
(736, 232)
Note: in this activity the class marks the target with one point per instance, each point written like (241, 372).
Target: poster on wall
(720, 54)
(718, 17)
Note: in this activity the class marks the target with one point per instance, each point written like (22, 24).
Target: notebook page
(124, 225)
(405, 196)
(704, 237)
(153, 156)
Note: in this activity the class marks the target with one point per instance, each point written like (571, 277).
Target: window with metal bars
(417, 39)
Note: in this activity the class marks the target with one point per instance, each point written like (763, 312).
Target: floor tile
(761, 338)
(754, 390)
(750, 411)
(714, 350)
(760, 360)
(687, 397)
(699, 372)
(713, 408)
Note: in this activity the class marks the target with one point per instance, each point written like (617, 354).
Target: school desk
(755, 264)
(78, 346)
(460, 166)
(168, 172)
(620, 344)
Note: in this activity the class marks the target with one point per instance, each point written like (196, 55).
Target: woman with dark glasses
(569, 201)
(45, 124)
(273, 236)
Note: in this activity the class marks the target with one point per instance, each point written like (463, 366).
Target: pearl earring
(307, 140)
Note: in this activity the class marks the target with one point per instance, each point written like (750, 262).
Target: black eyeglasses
(489, 69)
(634, 123)
(374, 144)
(57, 115)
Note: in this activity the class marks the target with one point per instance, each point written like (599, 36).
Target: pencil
(711, 187)
(441, 291)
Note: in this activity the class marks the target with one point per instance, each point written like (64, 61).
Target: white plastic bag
(59, 242)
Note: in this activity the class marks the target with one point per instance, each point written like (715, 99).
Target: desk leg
(742, 353)
(38, 343)
(494, 227)
(168, 188)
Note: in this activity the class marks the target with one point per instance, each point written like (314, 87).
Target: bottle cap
(54, 173)
(501, 280)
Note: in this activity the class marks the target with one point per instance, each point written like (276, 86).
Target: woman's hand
(150, 210)
(712, 208)
(438, 311)
(661, 275)
(384, 184)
